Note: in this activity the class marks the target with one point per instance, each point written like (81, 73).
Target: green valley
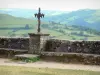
(20, 27)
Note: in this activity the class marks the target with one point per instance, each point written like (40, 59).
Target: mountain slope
(29, 13)
(88, 18)
(8, 19)
(85, 17)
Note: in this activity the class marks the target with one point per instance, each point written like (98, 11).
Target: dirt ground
(44, 64)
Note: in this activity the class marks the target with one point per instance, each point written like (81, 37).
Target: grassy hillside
(95, 17)
(72, 32)
(11, 20)
(15, 26)
(86, 17)
(8, 21)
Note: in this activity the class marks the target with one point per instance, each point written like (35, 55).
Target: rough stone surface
(53, 45)
(91, 59)
(90, 47)
(14, 43)
(27, 55)
(86, 52)
(37, 42)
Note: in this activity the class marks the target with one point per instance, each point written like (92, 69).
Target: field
(20, 27)
(12, 70)
(69, 34)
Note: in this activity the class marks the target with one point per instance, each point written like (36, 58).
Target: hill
(83, 17)
(8, 19)
(20, 27)
(88, 18)
(29, 13)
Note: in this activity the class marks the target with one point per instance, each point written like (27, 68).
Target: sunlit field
(12, 70)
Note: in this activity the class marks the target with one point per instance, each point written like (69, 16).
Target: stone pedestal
(37, 42)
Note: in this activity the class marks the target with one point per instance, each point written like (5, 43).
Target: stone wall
(54, 45)
(90, 47)
(14, 43)
(84, 52)
(77, 58)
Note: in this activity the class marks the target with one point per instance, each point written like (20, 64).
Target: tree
(81, 33)
(27, 26)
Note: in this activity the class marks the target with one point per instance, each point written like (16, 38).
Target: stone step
(26, 56)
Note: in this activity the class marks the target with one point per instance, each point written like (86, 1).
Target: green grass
(15, 70)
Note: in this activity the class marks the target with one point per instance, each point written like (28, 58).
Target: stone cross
(39, 15)
(38, 40)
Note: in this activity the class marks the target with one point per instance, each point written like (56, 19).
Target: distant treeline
(15, 28)
(6, 28)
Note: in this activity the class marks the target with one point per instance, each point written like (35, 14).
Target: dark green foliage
(31, 59)
(34, 59)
